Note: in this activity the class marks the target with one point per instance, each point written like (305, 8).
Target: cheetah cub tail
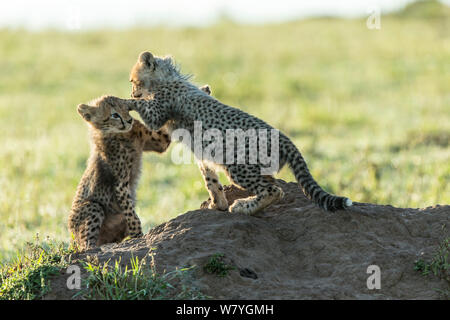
(310, 187)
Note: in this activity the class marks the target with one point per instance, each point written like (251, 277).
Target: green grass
(369, 110)
(217, 266)
(28, 276)
(139, 281)
(438, 266)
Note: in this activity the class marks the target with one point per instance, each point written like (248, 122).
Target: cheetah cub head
(150, 68)
(106, 115)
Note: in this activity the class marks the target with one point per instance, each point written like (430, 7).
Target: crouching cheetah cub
(103, 207)
(171, 96)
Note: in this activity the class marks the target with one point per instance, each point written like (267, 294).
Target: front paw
(218, 204)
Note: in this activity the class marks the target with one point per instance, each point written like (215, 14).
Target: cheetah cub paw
(219, 203)
(243, 206)
(254, 204)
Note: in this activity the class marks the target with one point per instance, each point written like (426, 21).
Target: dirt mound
(294, 250)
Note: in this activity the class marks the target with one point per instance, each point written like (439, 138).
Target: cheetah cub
(103, 207)
(171, 96)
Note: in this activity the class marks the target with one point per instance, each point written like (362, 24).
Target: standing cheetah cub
(103, 207)
(171, 96)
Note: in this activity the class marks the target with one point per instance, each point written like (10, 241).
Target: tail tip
(348, 202)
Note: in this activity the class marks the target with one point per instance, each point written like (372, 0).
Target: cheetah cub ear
(147, 59)
(85, 111)
(206, 88)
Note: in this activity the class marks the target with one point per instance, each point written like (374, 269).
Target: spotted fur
(172, 97)
(103, 208)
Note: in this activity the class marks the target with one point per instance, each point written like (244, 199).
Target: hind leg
(264, 189)
(215, 189)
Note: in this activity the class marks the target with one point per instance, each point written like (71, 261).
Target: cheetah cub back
(103, 209)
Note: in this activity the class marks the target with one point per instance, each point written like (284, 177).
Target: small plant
(27, 277)
(137, 282)
(216, 265)
(422, 266)
(438, 266)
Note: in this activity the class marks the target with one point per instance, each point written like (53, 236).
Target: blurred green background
(369, 109)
